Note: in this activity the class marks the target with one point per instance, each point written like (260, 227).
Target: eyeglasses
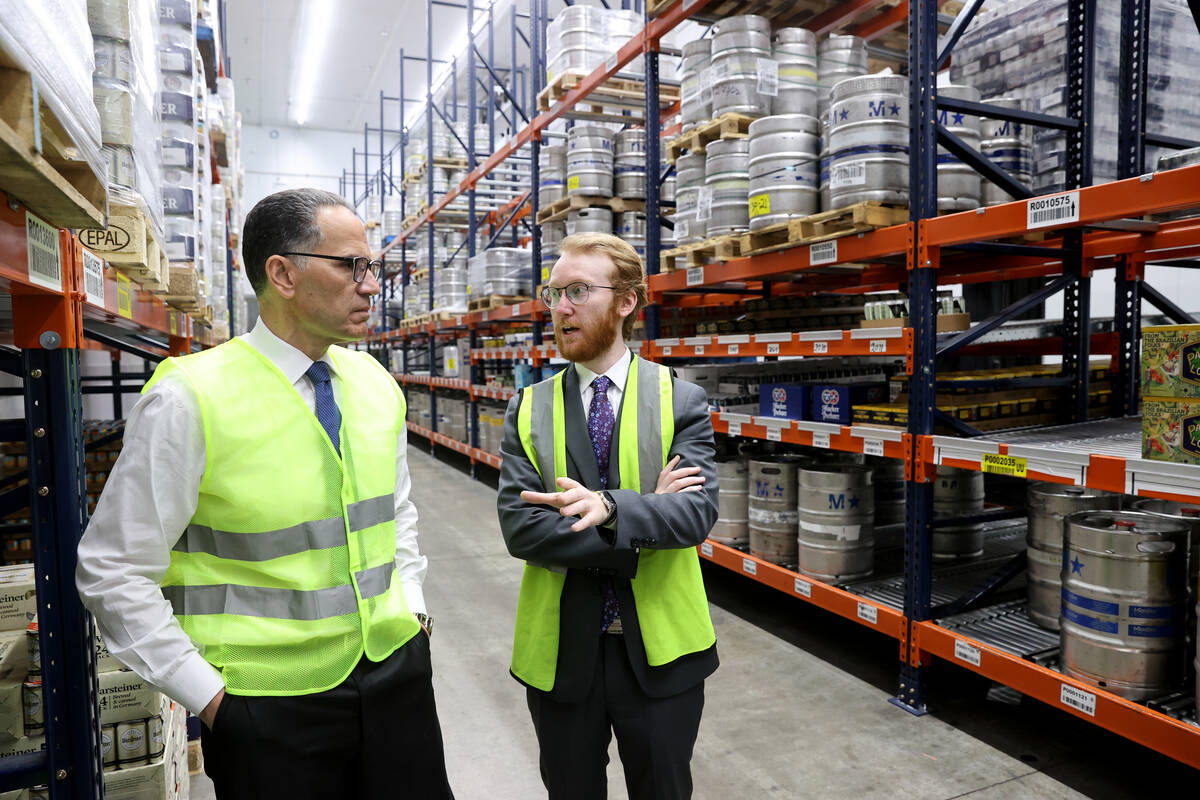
(359, 264)
(576, 292)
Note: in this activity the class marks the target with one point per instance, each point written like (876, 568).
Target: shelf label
(1078, 699)
(695, 276)
(768, 80)
(803, 588)
(760, 204)
(704, 200)
(667, 350)
(41, 251)
(124, 297)
(93, 278)
(820, 347)
(572, 182)
(872, 447)
(820, 440)
(1042, 212)
(868, 612)
(965, 652)
(772, 348)
(822, 253)
(735, 429)
(699, 349)
(877, 346)
(733, 349)
(1004, 465)
(749, 566)
(172, 325)
(774, 434)
(706, 549)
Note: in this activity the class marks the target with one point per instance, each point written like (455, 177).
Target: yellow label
(572, 182)
(545, 274)
(760, 204)
(124, 297)
(174, 327)
(1003, 465)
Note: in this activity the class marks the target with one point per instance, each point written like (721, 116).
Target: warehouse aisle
(798, 708)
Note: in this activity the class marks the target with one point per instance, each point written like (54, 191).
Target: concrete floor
(798, 708)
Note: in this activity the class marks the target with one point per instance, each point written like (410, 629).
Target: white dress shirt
(616, 383)
(147, 503)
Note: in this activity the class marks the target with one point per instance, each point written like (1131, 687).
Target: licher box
(1171, 361)
(1171, 429)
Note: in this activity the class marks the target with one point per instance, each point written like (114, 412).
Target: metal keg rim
(727, 147)
(741, 23)
(1051, 489)
(697, 47)
(842, 41)
(794, 35)
(590, 130)
(877, 82)
(1140, 523)
(765, 122)
(960, 91)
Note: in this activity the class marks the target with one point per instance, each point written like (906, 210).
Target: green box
(1171, 429)
(1171, 361)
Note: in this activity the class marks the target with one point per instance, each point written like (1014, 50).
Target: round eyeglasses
(359, 265)
(577, 292)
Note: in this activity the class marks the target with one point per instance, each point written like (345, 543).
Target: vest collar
(290, 361)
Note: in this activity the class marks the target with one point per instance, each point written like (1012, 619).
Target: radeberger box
(1171, 361)
(1171, 429)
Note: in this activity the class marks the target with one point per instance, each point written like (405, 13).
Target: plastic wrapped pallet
(51, 40)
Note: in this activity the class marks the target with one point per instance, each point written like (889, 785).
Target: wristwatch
(610, 506)
(426, 622)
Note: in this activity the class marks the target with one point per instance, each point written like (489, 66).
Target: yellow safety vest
(668, 591)
(285, 575)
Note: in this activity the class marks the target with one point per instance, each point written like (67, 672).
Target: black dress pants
(655, 735)
(374, 735)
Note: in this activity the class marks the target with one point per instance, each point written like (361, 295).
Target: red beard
(592, 340)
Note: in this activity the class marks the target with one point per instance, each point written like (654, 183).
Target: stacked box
(1171, 393)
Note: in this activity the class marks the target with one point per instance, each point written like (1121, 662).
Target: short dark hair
(283, 222)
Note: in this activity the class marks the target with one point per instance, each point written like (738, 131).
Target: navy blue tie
(328, 413)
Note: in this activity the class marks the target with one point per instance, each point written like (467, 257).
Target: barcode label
(172, 62)
(719, 69)
(93, 278)
(1053, 210)
(822, 253)
(695, 276)
(820, 440)
(41, 250)
(706, 548)
(175, 156)
(704, 200)
(1078, 699)
(872, 447)
(749, 566)
(768, 77)
(774, 434)
(667, 350)
(733, 349)
(124, 297)
(877, 346)
(965, 652)
(803, 588)
(735, 429)
(847, 173)
(699, 349)
(820, 347)
(772, 348)
(868, 612)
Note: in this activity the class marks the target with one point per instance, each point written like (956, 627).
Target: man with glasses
(608, 485)
(254, 553)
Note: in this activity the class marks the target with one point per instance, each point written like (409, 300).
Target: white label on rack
(872, 447)
(749, 566)
(706, 549)
(823, 253)
(820, 347)
(174, 156)
(868, 612)
(965, 652)
(667, 350)
(772, 348)
(703, 203)
(877, 346)
(735, 429)
(41, 252)
(172, 61)
(820, 440)
(1078, 699)
(768, 77)
(803, 588)
(699, 349)
(695, 276)
(848, 173)
(1047, 164)
(774, 434)
(1041, 212)
(93, 278)
(733, 349)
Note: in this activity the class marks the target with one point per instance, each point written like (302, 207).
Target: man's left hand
(574, 500)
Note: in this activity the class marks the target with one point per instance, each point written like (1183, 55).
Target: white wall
(1181, 285)
(291, 157)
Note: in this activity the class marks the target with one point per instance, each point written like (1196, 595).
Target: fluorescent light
(315, 28)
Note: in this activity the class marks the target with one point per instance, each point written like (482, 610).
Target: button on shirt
(147, 503)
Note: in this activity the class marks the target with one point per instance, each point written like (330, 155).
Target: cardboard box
(18, 600)
(125, 696)
(784, 400)
(946, 323)
(1171, 361)
(835, 402)
(14, 666)
(1171, 429)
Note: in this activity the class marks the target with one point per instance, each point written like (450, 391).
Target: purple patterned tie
(600, 428)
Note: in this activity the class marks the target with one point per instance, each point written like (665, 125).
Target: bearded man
(607, 487)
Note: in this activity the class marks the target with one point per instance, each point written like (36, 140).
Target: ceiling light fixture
(315, 28)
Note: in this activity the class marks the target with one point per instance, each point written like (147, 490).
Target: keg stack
(838, 58)
(868, 140)
(629, 170)
(959, 186)
(783, 169)
(695, 105)
(1009, 145)
(957, 493)
(590, 161)
(795, 53)
(774, 520)
(727, 185)
(739, 43)
(836, 513)
(690, 228)
(733, 521)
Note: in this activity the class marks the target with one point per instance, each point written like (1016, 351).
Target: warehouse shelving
(1108, 230)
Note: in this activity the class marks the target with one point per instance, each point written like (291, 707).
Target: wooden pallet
(449, 163)
(39, 163)
(864, 216)
(130, 244)
(183, 289)
(781, 13)
(559, 210)
(726, 126)
(710, 251)
(492, 301)
(615, 92)
(764, 240)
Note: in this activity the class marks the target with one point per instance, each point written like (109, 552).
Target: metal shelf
(473, 453)
(866, 439)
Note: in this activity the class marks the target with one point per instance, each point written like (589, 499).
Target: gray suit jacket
(541, 535)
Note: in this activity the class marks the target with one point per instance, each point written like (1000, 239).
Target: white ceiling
(361, 57)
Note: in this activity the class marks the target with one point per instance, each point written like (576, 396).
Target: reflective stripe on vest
(672, 607)
(284, 577)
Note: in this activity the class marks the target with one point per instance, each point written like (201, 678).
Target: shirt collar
(617, 373)
(291, 362)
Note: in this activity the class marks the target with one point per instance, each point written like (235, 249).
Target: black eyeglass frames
(359, 264)
(577, 292)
